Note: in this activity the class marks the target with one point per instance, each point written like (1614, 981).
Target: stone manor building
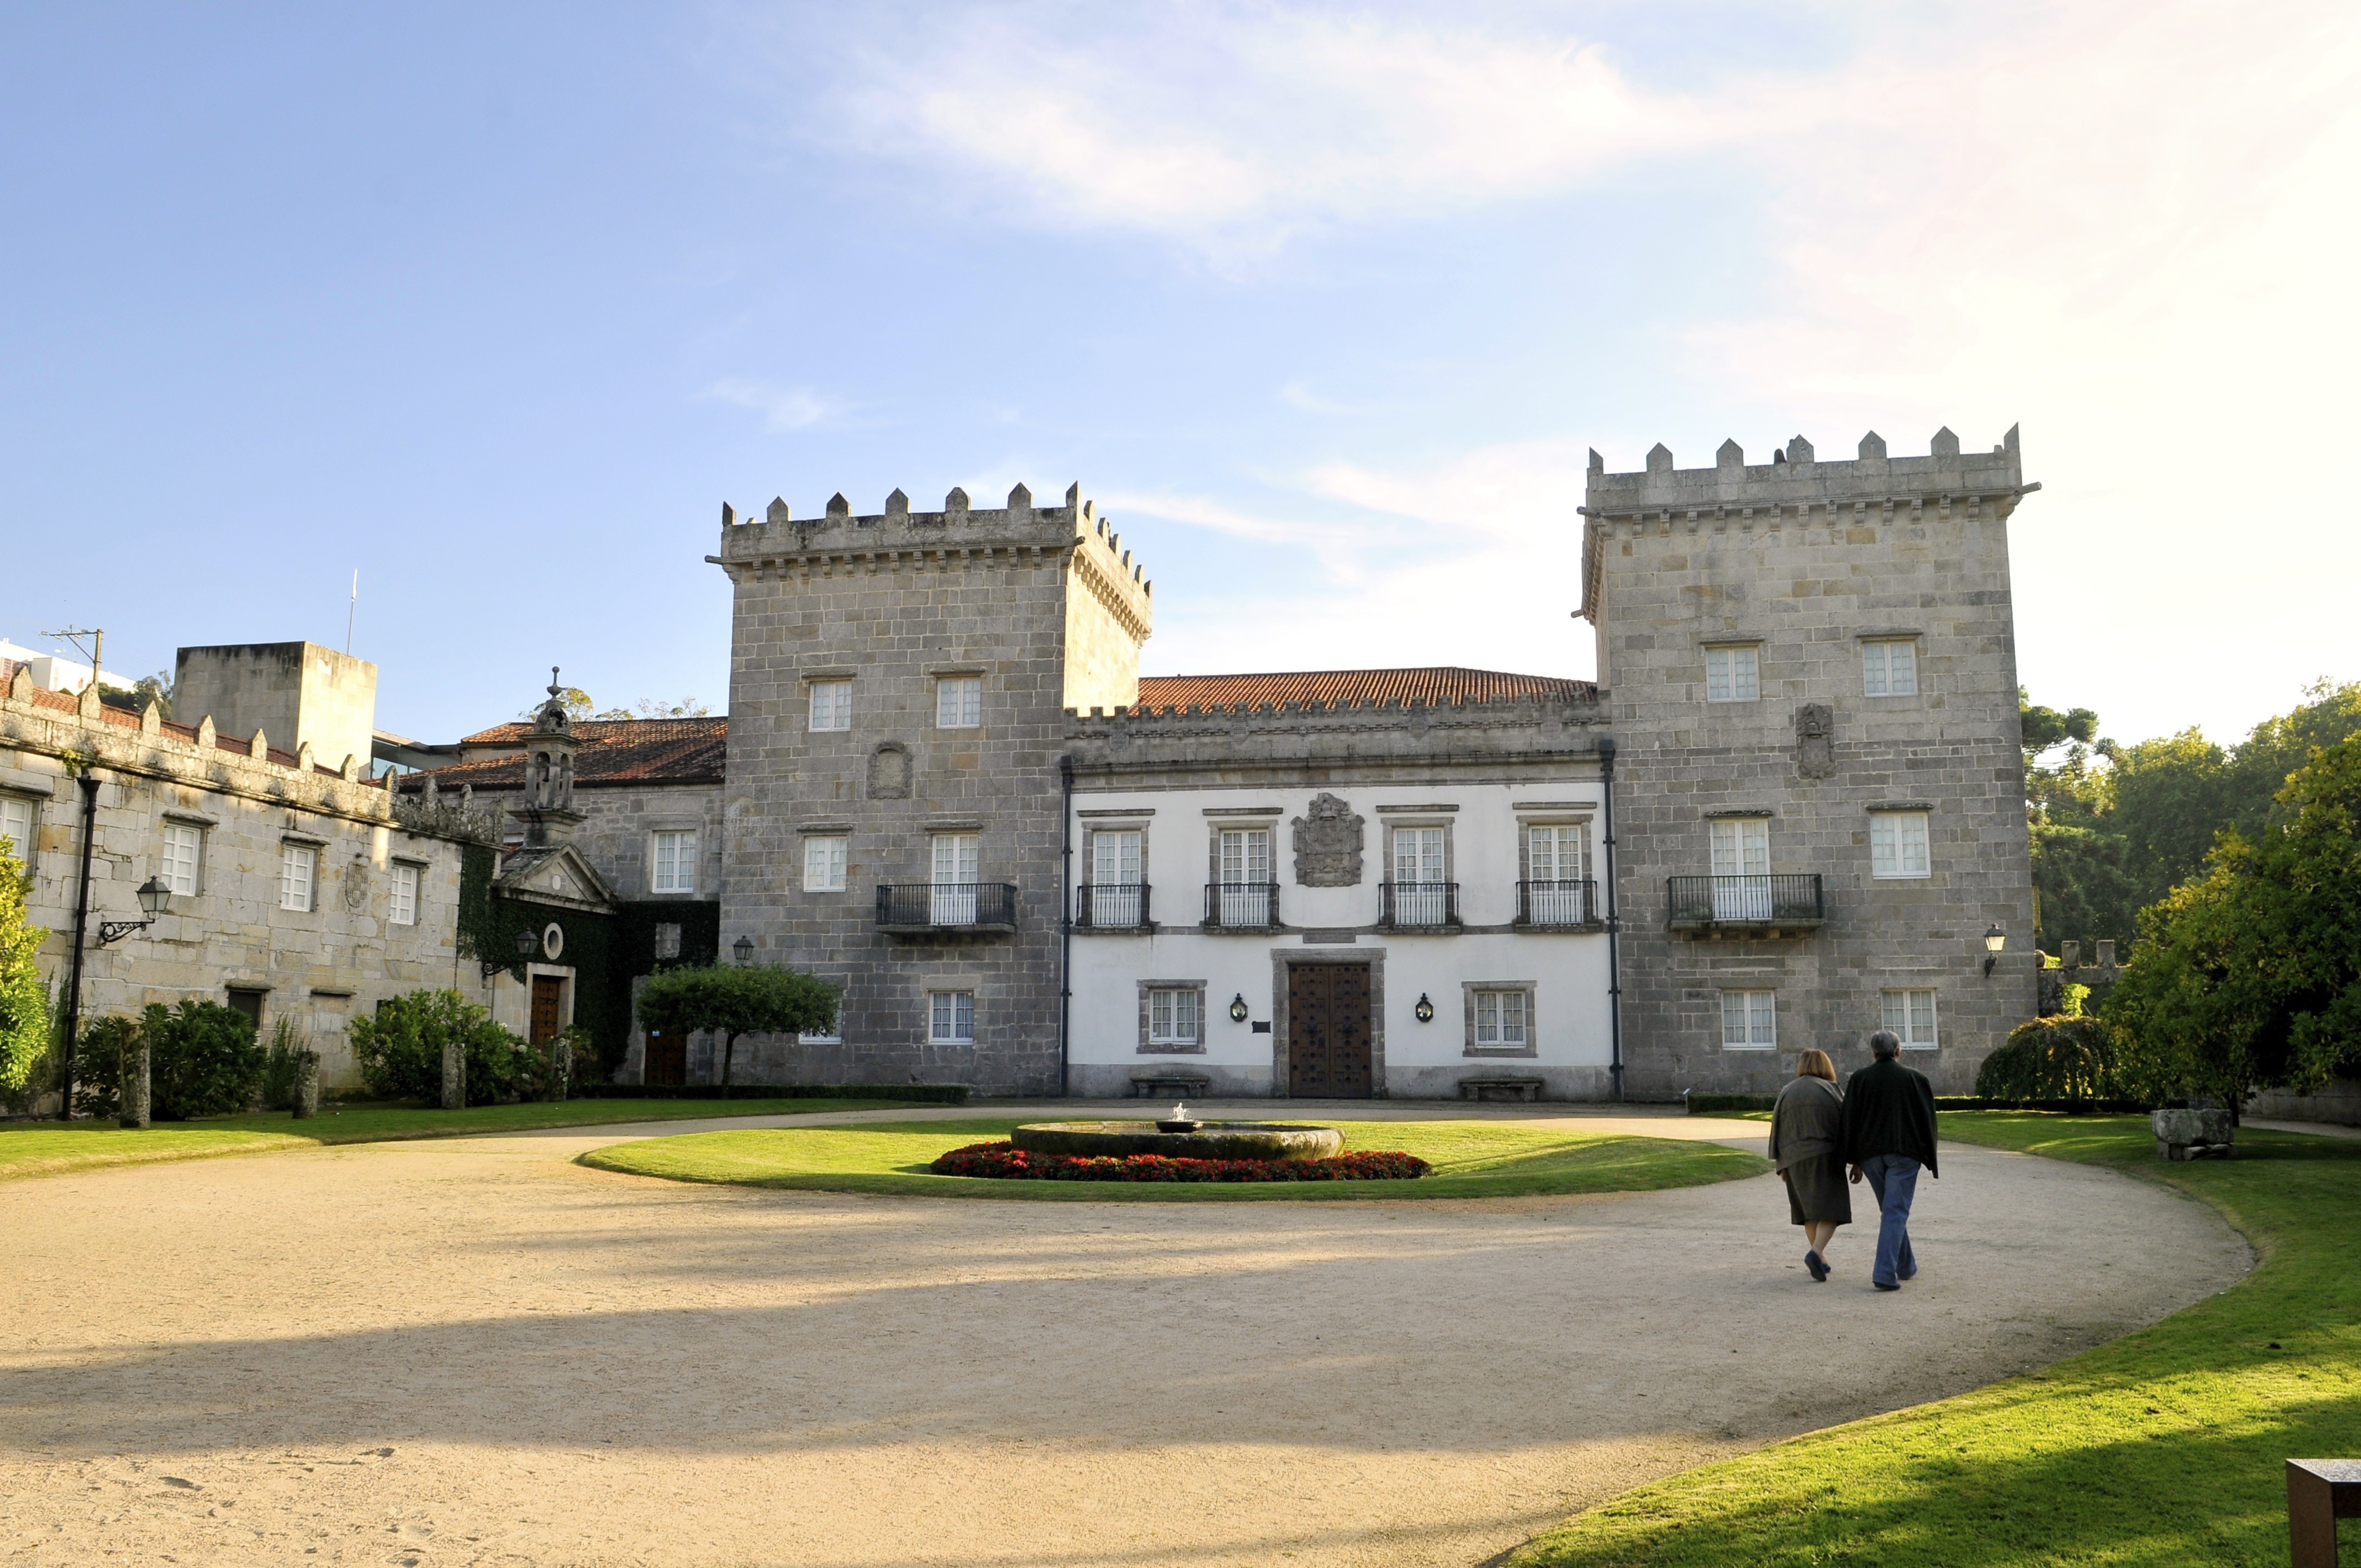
(1789, 810)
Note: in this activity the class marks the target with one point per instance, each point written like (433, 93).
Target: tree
(2043, 728)
(24, 997)
(725, 1000)
(2250, 975)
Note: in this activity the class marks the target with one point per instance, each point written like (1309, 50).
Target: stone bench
(2320, 1492)
(1500, 1086)
(2192, 1134)
(1171, 1083)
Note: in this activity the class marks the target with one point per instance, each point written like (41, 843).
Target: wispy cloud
(782, 408)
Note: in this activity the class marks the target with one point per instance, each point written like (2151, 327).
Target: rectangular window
(1731, 675)
(1114, 857)
(1911, 1015)
(1418, 854)
(950, 1017)
(1172, 1017)
(16, 826)
(1742, 868)
(1889, 669)
(1500, 1020)
(1898, 844)
(675, 863)
(824, 862)
(401, 908)
(296, 863)
(831, 705)
(1749, 1021)
(184, 848)
(958, 703)
(958, 863)
(1246, 854)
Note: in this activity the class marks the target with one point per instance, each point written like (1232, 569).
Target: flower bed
(1007, 1161)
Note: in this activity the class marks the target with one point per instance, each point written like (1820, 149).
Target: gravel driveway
(471, 1351)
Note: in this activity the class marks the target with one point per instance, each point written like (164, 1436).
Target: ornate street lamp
(1994, 940)
(528, 943)
(744, 947)
(154, 899)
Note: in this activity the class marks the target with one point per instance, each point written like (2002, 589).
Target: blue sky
(499, 304)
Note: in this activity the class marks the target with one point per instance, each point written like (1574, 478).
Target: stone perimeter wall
(1808, 559)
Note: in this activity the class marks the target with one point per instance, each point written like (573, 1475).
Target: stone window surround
(1126, 823)
(1467, 990)
(1906, 990)
(204, 829)
(311, 890)
(1392, 817)
(417, 892)
(1905, 808)
(1580, 817)
(655, 825)
(964, 673)
(1918, 640)
(27, 852)
(811, 830)
(1720, 1041)
(1708, 641)
(1232, 817)
(1147, 1049)
(970, 826)
(945, 984)
(834, 673)
(1374, 958)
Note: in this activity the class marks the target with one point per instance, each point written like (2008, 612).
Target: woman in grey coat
(1807, 1146)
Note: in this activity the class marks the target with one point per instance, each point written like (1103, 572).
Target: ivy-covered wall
(589, 948)
(608, 952)
(635, 951)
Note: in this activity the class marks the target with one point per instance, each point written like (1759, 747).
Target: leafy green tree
(24, 997)
(2046, 727)
(399, 1050)
(727, 1001)
(2250, 975)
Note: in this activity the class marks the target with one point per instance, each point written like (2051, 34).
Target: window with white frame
(1243, 855)
(1418, 854)
(1732, 674)
(1503, 1019)
(1898, 844)
(16, 826)
(1116, 867)
(184, 852)
(950, 1017)
(674, 857)
(1173, 1016)
(1889, 669)
(831, 705)
(1911, 1015)
(1749, 1021)
(401, 904)
(824, 856)
(297, 863)
(959, 702)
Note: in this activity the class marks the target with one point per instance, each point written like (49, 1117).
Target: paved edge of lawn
(1664, 1163)
(2164, 1445)
(212, 1138)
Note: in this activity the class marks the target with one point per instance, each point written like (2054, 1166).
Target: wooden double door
(1328, 1049)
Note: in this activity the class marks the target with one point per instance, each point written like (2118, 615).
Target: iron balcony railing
(1414, 906)
(946, 906)
(1557, 903)
(1111, 906)
(1782, 898)
(1241, 905)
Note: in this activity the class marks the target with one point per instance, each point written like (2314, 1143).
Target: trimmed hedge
(1006, 1161)
(918, 1094)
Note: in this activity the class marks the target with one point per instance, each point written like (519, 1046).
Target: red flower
(1007, 1161)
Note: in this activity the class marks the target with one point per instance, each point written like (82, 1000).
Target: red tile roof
(609, 751)
(1441, 683)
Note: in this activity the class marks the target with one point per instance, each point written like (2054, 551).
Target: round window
(553, 941)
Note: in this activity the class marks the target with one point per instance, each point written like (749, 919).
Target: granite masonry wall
(1805, 561)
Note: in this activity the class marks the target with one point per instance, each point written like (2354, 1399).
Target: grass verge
(2165, 1447)
(47, 1149)
(1471, 1159)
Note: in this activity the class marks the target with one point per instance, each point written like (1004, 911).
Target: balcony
(1111, 907)
(1419, 905)
(947, 908)
(1241, 905)
(1557, 905)
(1757, 905)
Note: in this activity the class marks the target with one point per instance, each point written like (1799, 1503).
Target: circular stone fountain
(1212, 1140)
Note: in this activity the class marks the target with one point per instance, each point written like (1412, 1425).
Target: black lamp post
(744, 947)
(1994, 940)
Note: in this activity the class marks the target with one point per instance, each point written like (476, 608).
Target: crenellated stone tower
(898, 686)
(1819, 798)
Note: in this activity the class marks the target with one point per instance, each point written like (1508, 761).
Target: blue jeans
(1895, 1179)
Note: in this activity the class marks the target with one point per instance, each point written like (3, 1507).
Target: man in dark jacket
(1889, 1133)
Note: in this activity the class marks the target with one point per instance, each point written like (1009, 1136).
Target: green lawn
(45, 1148)
(2165, 1447)
(1471, 1159)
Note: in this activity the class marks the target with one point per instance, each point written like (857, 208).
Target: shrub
(399, 1050)
(1007, 1161)
(23, 998)
(2063, 1058)
(98, 1064)
(279, 1069)
(202, 1059)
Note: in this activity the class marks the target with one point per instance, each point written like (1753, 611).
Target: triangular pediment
(554, 873)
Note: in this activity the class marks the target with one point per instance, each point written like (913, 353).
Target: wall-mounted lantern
(527, 946)
(1424, 1010)
(1239, 1008)
(1994, 940)
(744, 947)
(154, 899)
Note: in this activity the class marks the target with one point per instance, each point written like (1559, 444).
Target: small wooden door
(1328, 1054)
(666, 1062)
(548, 1001)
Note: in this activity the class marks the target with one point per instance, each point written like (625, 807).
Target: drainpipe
(1614, 923)
(1065, 918)
(89, 783)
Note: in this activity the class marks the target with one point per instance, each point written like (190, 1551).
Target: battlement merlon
(1794, 479)
(780, 539)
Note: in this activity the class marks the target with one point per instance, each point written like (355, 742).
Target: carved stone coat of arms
(1328, 844)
